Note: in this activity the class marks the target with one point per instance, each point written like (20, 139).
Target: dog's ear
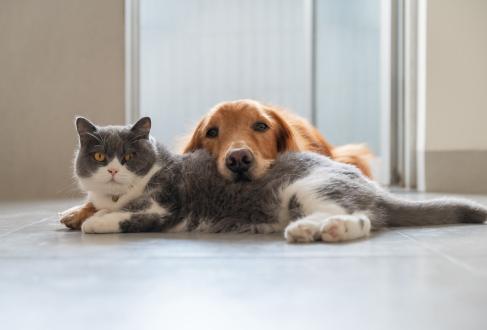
(196, 139)
(285, 139)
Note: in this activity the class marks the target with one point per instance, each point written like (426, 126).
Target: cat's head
(111, 159)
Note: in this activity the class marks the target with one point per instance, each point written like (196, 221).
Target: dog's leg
(74, 217)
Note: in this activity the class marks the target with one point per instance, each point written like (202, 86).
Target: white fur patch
(104, 222)
(102, 181)
(305, 190)
(305, 230)
(102, 199)
(319, 226)
(345, 227)
(156, 208)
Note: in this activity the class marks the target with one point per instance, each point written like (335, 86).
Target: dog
(246, 136)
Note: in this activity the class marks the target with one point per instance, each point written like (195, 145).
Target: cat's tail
(393, 211)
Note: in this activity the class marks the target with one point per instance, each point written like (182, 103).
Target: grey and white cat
(139, 186)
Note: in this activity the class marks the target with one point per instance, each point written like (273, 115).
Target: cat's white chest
(102, 201)
(105, 202)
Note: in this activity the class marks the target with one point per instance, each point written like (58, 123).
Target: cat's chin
(117, 188)
(105, 188)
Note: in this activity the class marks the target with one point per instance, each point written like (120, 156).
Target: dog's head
(244, 137)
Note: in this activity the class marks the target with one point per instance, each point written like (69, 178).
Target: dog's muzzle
(239, 161)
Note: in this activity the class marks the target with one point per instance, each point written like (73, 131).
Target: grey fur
(139, 204)
(190, 188)
(295, 208)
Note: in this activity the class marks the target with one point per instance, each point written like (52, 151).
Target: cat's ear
(142, 127)
(83, 126)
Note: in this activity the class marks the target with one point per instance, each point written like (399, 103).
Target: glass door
(320, 59)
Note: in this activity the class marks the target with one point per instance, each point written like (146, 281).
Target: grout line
(25, 226)
(16, 215)
(451, 259)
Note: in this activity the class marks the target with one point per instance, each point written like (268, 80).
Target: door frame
(407, 93)
(132, 60)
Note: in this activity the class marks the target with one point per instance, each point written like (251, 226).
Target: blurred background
(409, 78)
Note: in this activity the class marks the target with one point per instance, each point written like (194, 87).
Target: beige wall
(57, 58)
(456, 96)
(456, 76)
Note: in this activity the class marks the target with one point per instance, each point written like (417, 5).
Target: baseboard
(456, 171)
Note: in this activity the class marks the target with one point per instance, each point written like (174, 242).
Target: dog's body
(311, 196)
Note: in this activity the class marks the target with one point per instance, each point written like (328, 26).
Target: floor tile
(402, 278)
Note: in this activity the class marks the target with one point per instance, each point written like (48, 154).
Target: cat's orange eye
(99, 156)
(128, 157)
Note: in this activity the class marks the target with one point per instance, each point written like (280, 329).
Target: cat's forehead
(114, 136)
(114, 131)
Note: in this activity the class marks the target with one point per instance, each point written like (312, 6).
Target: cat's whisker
(70, 189)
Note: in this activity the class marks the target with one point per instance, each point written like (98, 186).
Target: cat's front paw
(345, 227)
(104, 223)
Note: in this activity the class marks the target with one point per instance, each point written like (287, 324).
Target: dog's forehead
(238, 112)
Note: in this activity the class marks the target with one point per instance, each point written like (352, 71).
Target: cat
(139, 186)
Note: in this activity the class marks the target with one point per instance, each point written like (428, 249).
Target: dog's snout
(239, 160)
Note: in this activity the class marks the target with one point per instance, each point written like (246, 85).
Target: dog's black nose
(239, 160)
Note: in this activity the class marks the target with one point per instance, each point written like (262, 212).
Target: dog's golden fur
(74, 217)
(287, 132)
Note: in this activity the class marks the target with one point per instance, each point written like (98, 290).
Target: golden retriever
(245, 136)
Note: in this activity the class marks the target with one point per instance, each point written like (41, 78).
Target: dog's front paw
(71, 220)
(75, 216)
(103, 224)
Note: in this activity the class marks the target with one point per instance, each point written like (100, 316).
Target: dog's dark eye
(212, 133)
(260, 127)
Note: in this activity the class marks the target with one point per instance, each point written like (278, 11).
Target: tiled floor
(413, 278)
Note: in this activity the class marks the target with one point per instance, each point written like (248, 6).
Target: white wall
(57, 58)
(456, 102)
(456, 96)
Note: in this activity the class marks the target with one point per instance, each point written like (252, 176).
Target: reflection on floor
(412, 278)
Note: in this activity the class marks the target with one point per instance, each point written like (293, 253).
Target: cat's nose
(112, 171)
